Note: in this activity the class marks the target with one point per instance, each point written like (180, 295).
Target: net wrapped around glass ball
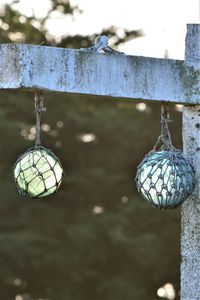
(165, 179)
(38, 173)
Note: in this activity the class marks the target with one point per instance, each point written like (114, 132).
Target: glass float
(165, 178)
(38, 172)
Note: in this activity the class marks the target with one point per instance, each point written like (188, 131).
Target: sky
(163, 22)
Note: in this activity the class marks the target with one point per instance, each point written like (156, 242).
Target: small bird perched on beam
(101, 45)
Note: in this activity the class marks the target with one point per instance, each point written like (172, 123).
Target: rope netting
(38, 172)
(164, 177)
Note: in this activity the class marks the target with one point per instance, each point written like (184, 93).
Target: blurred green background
(96, 239)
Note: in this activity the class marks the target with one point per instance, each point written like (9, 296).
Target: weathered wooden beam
(190, 231)
(106, 74)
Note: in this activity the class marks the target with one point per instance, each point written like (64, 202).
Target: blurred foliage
(16, 27)
(96, 238)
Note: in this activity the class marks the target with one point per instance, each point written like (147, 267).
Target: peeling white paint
(10, 66)
(106, 74)
(190, 236)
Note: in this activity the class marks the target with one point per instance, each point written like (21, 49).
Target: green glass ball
(165, 179)
(38, 173)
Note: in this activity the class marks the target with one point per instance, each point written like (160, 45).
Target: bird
(101, 45)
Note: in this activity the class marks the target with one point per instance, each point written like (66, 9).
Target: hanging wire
(39, 108)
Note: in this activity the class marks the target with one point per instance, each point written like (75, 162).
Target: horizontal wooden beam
(105, 74)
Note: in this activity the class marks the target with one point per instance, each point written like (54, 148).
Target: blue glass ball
(165, 178)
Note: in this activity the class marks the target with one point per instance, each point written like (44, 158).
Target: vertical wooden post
(190, 236)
